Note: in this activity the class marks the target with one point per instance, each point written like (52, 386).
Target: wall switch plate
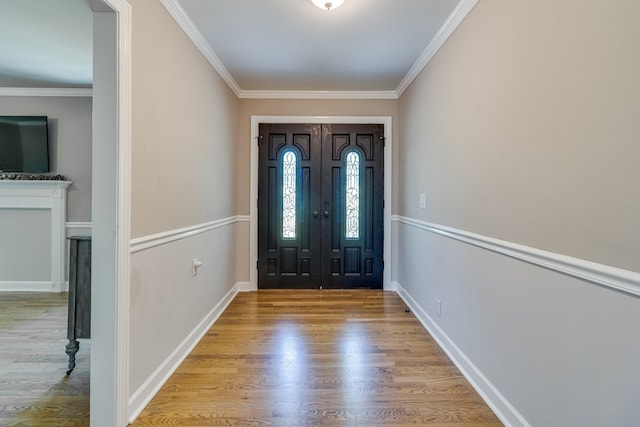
(423, 201)
(438, 307)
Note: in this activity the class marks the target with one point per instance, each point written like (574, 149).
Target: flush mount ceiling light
(327, 4)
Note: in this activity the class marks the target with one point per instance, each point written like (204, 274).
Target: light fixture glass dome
(327, 4)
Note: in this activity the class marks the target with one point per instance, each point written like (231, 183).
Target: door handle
(315, 214)
(326, 214)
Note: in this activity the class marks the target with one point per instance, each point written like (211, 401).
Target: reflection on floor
(322, 358)
(34, 387)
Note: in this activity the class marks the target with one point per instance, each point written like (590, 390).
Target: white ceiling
(45, 43)
(256, 45)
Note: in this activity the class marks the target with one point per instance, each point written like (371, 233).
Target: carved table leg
(71, 349)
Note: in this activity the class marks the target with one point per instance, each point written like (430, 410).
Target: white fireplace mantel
(46, 194)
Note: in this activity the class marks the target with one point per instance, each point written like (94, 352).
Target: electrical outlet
(438, 307)
(423, 201)
(195, 264)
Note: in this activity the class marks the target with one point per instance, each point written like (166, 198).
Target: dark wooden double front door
(320, 206)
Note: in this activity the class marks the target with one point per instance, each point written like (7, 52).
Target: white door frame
(388, 181)
(111, 213)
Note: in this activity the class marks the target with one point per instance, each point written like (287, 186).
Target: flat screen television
(24, 144)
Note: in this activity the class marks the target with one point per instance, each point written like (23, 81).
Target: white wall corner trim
(156, 380)
(117, 305)
(603, 275)
(46, 91)
(187, 25)
(457, 16)
(244, 287)
(153, 240)
(491, 395)
(123, 204)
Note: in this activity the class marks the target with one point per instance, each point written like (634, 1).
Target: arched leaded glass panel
(289, 169)
(352, 191)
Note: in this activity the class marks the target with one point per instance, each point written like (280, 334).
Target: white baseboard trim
(491, 395)
(245, 287)
(600, 274)
(393, 286)
(141, 397)
(30, 286)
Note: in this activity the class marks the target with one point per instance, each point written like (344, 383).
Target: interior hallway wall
(527, 120)
(69, 142)
(69, 123)
(522, 133)
(183, 198)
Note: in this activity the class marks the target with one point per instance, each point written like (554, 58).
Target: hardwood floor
(34, 387)
(331, 358)
(335, 358)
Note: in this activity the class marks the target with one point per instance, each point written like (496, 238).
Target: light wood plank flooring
(34, 387)
(330, 358)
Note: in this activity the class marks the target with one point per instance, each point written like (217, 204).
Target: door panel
(356, 223)
(320, 206)
(286, 248)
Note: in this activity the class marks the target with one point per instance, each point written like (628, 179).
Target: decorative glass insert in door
(289, 166)
(352, 191)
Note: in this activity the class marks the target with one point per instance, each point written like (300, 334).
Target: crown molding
(310, 94)
(46, 91)
(187, 25)
(457, 16)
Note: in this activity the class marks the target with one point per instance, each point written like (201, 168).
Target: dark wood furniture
(79, 321)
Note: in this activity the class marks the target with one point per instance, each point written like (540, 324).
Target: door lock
(326, 214)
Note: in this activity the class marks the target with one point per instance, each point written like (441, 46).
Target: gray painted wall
(69, 139)
(524, 128)
(182, 175)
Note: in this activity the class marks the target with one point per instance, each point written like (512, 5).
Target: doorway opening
(351, 260)
(320, 206)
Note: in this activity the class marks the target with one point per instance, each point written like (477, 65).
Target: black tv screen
(24, 144)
